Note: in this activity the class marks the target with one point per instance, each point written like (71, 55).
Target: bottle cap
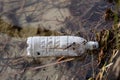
(91, 45)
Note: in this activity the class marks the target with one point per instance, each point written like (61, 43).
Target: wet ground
(66, 17)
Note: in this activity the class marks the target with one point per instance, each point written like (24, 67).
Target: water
(68, 16)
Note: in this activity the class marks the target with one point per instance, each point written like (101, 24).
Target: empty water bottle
(39, 46)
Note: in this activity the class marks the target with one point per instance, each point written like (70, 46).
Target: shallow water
(68, 17)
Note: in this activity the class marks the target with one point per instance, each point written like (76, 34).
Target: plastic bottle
(39, 46)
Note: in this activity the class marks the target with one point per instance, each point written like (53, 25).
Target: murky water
(65, 16)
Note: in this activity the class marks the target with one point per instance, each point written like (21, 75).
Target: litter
(39, 46)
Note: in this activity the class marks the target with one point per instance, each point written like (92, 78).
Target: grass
(109, 46)
(109, 41)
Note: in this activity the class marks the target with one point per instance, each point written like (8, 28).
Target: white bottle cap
(91, 45)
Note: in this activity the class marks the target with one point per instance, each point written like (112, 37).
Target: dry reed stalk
(47, 65)
(58, 60)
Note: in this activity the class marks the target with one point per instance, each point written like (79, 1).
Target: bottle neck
(91, 45)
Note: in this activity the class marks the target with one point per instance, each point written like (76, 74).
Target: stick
(52, 64)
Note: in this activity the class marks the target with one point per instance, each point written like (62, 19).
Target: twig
(58, 60)
(52, 64)
(93, 71)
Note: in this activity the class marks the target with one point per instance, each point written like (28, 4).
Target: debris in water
(39, 46)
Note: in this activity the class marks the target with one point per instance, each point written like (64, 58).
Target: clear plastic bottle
(39, 46)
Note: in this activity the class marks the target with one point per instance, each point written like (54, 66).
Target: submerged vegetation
(109, 46)
(24, 32)
(109, 49)
(109, 41)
